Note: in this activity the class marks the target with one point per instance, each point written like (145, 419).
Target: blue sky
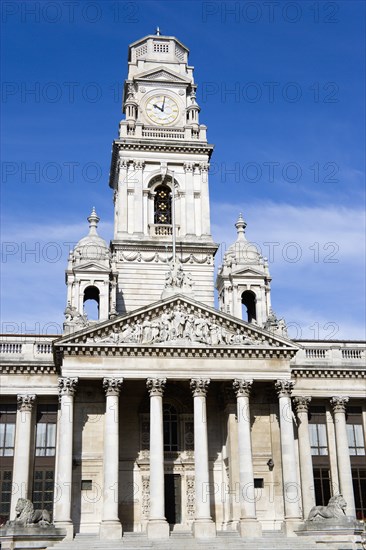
(281, 89)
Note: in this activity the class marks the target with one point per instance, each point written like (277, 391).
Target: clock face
(162, 109)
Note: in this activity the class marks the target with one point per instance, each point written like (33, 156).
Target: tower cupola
(90, 279)
(243, 280)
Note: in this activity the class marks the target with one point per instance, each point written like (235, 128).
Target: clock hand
(163, 104)
(157, 106)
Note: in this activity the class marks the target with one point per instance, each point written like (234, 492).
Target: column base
(292, 525)
(111, 530)
(157, 529)
(250, 528)
(204, 529)
(68, 526)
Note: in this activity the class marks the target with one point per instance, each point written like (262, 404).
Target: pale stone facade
(166, 414)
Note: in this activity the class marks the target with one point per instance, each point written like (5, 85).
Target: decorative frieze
(199, 386)
(301, 404)
(156, 386)
(145, 504)
(112, 386)
(177, 325)
(190, 497)
(242, 387)
(339, 403)
(25, 402)
(67, 386)
(284, 387)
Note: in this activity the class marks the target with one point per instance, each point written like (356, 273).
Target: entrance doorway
(173, 494)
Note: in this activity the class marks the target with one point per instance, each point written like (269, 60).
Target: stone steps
(184, 541)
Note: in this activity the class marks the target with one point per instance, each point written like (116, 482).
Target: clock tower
(159, 174)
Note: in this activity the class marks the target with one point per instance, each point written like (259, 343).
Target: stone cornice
(125, 350)
(156, 146)
(317, 372)
(27, 368)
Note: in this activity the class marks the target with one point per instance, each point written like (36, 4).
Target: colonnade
(203, 526)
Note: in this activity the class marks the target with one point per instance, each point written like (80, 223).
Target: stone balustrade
(26, 348)
(330, 354)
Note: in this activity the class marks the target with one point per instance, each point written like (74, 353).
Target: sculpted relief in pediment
(176, 326)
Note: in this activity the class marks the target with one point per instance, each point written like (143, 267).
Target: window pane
(41, 435)
(350, 435)
(2, 435)
(51, 439)
(10, 435)
(313, 435)
(322, 433)
(358, 435)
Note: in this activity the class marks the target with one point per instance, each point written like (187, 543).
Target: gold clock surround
(162, 109)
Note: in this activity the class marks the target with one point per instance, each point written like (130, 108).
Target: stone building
(162, 413)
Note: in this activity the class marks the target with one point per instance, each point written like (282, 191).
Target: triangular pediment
(247, 272)
(162, 74)
(177, 322)
(92, 267)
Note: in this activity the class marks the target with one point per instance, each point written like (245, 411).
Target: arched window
(91, 302)
(248, 300)
(163, 205)
(170, 424)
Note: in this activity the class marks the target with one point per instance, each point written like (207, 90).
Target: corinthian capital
(67, 386)
(284, 387)
(301, 404)
(199, 386)
(25, 402)
(112, 386)
(339, 403)
(156, 386)
(242, 387)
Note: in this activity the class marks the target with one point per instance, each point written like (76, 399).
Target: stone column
(343, 458)
(158, 527)
(249, 525)
(306, 463)
(291, 486)
(63, 488)
(23, 430)
(111, 527)
(203, 526)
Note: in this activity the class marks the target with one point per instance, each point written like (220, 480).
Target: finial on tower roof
(240, 226)
(93, 220)
(157, 32)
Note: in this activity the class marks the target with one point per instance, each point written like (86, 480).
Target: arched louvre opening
(248, 301)
(163, 205)
(91, 303)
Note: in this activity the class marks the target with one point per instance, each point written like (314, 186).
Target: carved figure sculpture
(336, 508)
(72, 315)
(27, 516)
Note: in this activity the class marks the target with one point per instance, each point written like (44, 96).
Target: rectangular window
(46, 430)
(7, 429)
(321, 486)
(7, 442)
(44, 459)
(359, 490)
(356, 442)
(318, 431)
(43, 486)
